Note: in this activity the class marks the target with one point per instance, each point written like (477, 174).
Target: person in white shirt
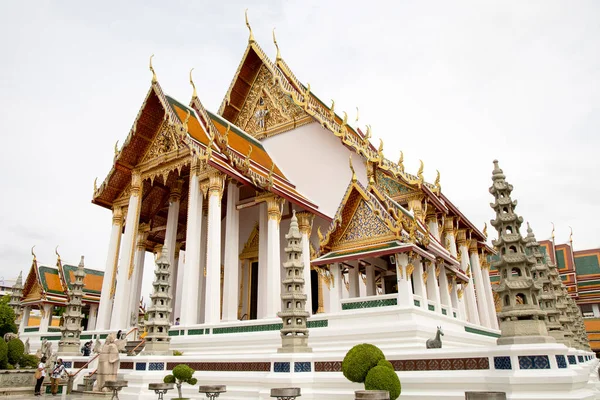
(57, 373)
(40, 375)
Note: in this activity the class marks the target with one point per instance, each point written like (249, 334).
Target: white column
(25, 319)
(457, 304)
(231, 281)
(93, 314)
(433, 225)
(445, 290)
(191, 272)
(171, 238)
(305, 221)
(212, 309)
(138, 275)
(403, 273)
(433, 290)
(107, 293)
(596, 310)
(120, 319)
(261, 310)
(273, 299)
(490, 295)
(178, 283)
(418, 283)
(202, 277)
(353, 279)
(371, 286)
(335, 289)
(473, 313)
(45, 317)
(482, 302)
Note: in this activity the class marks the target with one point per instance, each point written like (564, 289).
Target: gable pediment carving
(164, 142)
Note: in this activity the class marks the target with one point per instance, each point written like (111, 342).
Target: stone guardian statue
(108, 363)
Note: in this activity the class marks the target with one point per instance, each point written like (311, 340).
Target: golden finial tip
(278, 56)
(357, 115)
(32, 253)
(354, 179)
(251, 38)
(194, 94)
(154, 80)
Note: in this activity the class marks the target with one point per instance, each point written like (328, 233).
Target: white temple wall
(316, 161)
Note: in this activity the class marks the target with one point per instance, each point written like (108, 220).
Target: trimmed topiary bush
(383, 378)
(385, 363)
(181, 374)
(29, 361)
(3, 354)
(359, 360)
(16, 348)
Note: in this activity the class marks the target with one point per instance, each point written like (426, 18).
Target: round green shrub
(10, 366)
(29, 361)
(183, 373)
(3, 354)
(383, 378)
(16, 349)
(385, 363)
(169, 379)
(192, 381)
(359, 360)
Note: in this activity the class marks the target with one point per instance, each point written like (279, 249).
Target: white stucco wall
(316, 161)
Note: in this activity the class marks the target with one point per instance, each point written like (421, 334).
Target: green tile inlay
(317, 324)
(430, 307)
(453, 313)
(32, 329)
(481, 332)
(103, 335)
(417, 303)
(195, 332)
(85, 336)
(369, 304)
(50, 337)
(174, 333)
(53, 329)
(246, 329)
(444, 311)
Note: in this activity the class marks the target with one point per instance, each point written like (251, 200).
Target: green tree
(3, 354)
(181, 373)
(7, 317)
(16, 348)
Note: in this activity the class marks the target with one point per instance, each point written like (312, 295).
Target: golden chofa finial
(251, 38)
(278, 56)
(187, 119)
(437, 181)
(32, 253)
(194, 94)
(356, 114)
(345, 120)
(380, 149)
(354, 179)
(401, 161)
(552, 231)
(332, 109)
(571, 237)
(485, 230)
(420, 173)
(96, 185)
(154, 80)
(56, 252)
(116, 148)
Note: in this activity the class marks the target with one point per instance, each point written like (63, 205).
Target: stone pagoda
(561, 302)
(159, 312)
(15, 298)
(521, 318)
(294, 333)
(70, 330)
(547, 297)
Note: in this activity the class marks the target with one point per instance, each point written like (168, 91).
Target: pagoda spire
(294, 333)
(159, 312)
(561, 302)
(70, 329)
(521, 318)
(15, 298)
(547, 296)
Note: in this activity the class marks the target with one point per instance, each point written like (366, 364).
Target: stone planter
(485, 396)
(13, 382)
(371, 395)
(285, 393)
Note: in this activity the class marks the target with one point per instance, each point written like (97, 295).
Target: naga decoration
(154, 79)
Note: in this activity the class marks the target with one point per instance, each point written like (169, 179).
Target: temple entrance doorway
(314, 290)
(253, 290)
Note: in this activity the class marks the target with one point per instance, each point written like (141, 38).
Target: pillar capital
(449, 224)
(274, 206)
(143, 231)
(117, 215)
(216, 180)
(175, 193)
(305, 221)
(431, 215)
(472, 243)
(136, 182)
(461, 237)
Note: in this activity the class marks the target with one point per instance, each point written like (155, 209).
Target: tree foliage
(181, 374)
(3, 354)
(7, 317)
(383, 378)
(359, 360)
(16, 349)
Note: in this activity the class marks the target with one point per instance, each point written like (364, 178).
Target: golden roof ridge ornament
(195, 93)
(354, 179)
(356, 114)
(154, 79)
(32, 253)
(95, 185)
(380, 149)
(116, 148)
(187, 119)
(401, 161)
(571, 238)
(278, 56)
(332, 109)
(251, 37)
(437, 181)
(57, 255)
(485, 230)
(420, 173)
(552, 231)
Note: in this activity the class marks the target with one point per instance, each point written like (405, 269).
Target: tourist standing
(56, 375)
(40, 374)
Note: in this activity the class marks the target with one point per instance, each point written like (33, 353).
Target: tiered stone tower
(71, 319)
(159, 312)
(561, 302)
(294, 334)
(547, 297)
(15, 298)
(521, 319)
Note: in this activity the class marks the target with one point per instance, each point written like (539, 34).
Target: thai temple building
(284, 237)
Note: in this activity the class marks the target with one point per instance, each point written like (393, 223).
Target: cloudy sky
(456, 84)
